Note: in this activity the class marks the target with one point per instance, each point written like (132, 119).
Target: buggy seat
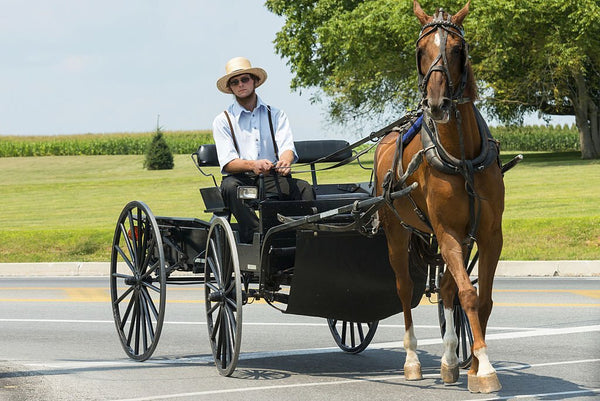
(309, 153)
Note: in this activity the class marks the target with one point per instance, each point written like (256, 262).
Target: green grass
(64, 208)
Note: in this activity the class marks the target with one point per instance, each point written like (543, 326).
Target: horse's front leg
(482, 377)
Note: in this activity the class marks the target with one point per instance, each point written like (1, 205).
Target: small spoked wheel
(463, 332)
(352, 337)
(223, 296)
(138, 281)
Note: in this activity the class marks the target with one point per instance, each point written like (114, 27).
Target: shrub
(158, 154)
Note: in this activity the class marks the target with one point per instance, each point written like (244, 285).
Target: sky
(104, 66)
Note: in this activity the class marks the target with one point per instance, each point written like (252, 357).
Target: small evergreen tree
(158, 154)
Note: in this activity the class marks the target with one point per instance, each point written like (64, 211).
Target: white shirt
(252, 133)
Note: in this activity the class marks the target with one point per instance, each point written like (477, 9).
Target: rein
(374, 136)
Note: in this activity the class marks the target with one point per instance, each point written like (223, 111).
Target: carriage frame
(324, 258)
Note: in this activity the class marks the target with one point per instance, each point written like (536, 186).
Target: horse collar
(443, 161)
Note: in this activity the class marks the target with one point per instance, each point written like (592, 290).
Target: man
(253, 138)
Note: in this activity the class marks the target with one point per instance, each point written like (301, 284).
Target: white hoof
(413, 372)
(484, 384)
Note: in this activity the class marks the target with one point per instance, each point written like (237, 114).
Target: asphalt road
(58, 342)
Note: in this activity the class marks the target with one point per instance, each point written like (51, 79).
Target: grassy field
(64, 208)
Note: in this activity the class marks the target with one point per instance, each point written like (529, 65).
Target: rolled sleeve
(283, 136)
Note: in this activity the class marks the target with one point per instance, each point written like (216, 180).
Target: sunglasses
(235, 81)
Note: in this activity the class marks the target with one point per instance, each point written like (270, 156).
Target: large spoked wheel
(352, 337)
(463, 332)
(223, 295)
(138, 281)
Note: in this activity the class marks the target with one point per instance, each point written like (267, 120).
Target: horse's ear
(460, 16)
(423, 18)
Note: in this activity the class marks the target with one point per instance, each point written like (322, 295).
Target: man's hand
(262, 166)
(284, 163)
(283, 167)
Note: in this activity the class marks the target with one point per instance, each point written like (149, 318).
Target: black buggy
(323, 258)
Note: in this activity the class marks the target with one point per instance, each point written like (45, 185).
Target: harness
(432, 148)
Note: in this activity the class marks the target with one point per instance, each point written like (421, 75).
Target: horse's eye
(456, 50)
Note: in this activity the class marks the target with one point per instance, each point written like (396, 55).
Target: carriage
(324, 258)
(358, 253)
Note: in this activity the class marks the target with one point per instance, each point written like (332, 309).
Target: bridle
(443, 27)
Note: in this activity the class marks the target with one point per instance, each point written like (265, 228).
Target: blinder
(443, 27)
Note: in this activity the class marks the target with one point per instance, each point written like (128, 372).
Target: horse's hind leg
(449, 370)
(398, 239)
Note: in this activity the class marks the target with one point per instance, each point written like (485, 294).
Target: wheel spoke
(130, 308)
(352, 339)
(123, 296)
(132, 232)
(149, 302)
(129, 245)
(151, 286)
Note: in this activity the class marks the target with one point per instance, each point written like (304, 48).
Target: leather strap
(232, 133)
(275, 147)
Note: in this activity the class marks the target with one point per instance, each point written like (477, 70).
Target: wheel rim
(352, 337)
(223, 296)
(463, 332)
(138, 281)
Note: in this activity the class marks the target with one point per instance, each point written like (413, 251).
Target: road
(58, 342)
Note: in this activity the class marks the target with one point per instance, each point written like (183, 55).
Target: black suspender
(275, 147)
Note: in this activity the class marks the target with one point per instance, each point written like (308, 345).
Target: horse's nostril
(446, 104)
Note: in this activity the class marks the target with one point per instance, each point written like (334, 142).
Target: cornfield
(512, 138)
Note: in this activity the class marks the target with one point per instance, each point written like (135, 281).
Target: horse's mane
(471, 87)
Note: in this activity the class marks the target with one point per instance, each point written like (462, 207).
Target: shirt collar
(237, 109)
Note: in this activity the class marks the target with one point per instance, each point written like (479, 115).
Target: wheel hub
(216, 296)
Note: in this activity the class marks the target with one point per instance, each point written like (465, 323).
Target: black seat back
(206, 156)
(312, 151)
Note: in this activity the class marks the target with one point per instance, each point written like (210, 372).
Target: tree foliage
(528, 55)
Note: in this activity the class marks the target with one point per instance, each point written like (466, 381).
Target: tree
(158, 154)
(529, 55)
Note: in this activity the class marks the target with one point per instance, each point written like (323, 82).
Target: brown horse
(459, 198)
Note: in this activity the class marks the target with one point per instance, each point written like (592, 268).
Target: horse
(459, 198)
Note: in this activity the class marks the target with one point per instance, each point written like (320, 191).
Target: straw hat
(237, 66)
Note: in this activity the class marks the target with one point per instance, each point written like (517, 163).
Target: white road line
(387, 326)
(543, 395)
(369, 379)
(314, 351)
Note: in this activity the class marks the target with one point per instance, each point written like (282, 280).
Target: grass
(64, 208)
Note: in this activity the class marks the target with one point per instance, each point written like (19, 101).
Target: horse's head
(442, 61)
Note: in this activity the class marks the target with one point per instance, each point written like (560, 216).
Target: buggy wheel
(138, 281)
(352, 337)
(463, 332)
(223, 296)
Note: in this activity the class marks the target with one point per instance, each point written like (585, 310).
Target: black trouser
(286, 187)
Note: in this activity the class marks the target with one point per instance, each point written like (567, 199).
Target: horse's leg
(449, 370)
(482, 376)
(452, 253)
(398, 240)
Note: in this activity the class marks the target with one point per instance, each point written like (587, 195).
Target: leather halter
(443, 27)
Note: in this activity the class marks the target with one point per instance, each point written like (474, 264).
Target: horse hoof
(449, 373)
(483, 384)
(413, 372)
(473, 383)
(489, 383)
